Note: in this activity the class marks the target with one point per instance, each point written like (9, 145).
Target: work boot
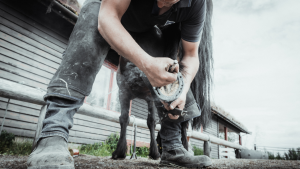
(50, 153)
(183, 158)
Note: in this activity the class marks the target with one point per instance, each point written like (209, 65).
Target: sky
(257, 68)
(256, 47)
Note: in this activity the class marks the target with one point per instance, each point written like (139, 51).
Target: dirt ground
(86, 161)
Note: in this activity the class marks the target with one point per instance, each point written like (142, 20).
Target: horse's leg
(158, 141)
(154, 154)
(184, 140)
(120, 152)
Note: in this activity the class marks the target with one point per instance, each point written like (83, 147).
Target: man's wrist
(144, 63)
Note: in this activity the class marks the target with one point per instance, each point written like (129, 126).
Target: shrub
(6, 141)
(197, 151)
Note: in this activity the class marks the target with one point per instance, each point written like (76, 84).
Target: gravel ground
(86, 161)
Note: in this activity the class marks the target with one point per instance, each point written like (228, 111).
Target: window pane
(115, 103)
(99, 94)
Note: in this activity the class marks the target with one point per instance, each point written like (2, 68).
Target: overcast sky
(257, 72)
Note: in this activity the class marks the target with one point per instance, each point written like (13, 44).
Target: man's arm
(110, 27)
(191, 62)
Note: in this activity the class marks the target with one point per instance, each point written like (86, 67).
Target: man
(85, 54)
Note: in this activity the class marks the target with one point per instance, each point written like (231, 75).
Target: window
(105, 91)
(115, 103)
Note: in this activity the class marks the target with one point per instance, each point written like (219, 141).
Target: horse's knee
(124, 119)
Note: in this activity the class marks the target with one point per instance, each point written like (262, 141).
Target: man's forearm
(121, 41)
(191, 64)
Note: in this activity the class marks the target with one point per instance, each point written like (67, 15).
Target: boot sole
(52, 167)
(175, 164)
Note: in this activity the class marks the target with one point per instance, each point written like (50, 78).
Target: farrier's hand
(178, 103)
(156, 70)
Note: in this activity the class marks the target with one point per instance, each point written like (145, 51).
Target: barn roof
(218, 111)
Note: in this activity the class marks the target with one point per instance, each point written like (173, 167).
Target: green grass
(142, 151)
(108, 147)
(19, 148)
(197, 151)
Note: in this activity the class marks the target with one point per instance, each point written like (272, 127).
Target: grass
(19, 148)
(108, 147)
(197, 151)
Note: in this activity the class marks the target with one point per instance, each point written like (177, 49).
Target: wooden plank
(19, 132)
(19, 109)
(30, 38)
(138, 108)
(26, 60)
(39, 126)
(28, 50)
(32, 26)
(94, 122)
(18, 116)
(25, 67)
(54, 56)
(79, 134)
(21, 103)
(103, 130)
(18, 124)
(141, 101)
(22, 80)
(83, 140)
(20, 72)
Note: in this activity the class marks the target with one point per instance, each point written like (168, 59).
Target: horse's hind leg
(120, 152)
(184, 140)
(154, 154)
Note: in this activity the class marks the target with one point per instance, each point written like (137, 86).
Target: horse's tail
(202, 82)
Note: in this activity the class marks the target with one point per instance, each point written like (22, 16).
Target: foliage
(197, 151)
(20, 148)
(291, 154)
(101, 149)
(10, 147)
(6, 141)
(142, 151)
(108, 147)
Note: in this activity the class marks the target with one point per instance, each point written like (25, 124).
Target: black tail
(202, 82)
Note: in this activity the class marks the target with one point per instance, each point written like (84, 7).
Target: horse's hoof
(116, 157)
(154, 157)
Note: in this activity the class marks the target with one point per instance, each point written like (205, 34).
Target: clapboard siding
(35, 20)
(139, 108)
(212, 129)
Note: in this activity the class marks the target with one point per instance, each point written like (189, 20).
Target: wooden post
(207, 148)
(226, 133)
(226, 137)
(240, 139)
(39, 126)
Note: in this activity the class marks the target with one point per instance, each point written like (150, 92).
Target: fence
(21, 92)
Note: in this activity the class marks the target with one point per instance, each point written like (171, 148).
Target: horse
(164, 42)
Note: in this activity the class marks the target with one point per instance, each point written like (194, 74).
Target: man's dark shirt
(141, 15)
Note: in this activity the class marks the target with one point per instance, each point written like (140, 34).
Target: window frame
(113, 69)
